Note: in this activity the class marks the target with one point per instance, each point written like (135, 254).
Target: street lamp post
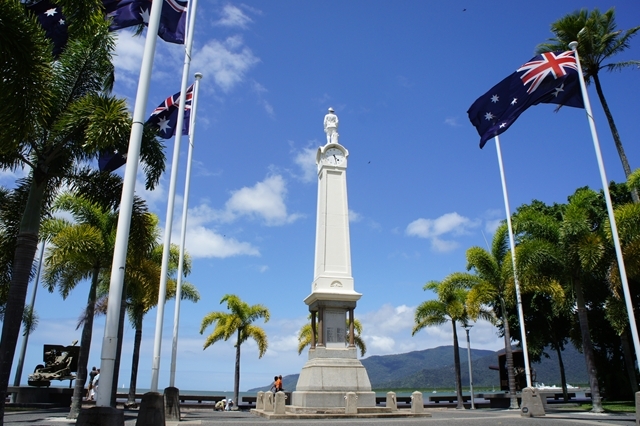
(467, 327)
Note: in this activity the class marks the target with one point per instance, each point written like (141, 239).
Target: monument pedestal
(327, 377)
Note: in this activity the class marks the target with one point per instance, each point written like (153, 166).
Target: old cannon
(60, 362)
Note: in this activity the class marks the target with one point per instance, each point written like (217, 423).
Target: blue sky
(401, 77)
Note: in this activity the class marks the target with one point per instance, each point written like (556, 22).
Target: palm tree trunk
(135, 359)
(587, 348)
(85, 347)
(509, 355)
(26, 246)
(236, 379)
(563, 377)
(615, 134)
(456, 362)
(628, 361)
(116, 365)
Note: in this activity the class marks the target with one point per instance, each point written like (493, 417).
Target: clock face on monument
(333, 156)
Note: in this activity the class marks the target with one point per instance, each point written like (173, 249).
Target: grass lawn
(614, 406)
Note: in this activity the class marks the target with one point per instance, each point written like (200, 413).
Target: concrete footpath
(440, 416)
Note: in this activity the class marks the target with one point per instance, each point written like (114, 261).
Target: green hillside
(433, 368)
(384, 369)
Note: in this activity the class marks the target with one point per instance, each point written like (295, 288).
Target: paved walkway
(440, 416)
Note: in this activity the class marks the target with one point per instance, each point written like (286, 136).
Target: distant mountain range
(433, 368)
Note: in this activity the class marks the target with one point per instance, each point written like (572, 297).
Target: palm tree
(79, 251)
(68, 118)
(494, 287)
(449, 305)
(304, 336)
(143, 280)
(238, 322)
(598, 40)
(570, 250)
(628, 226)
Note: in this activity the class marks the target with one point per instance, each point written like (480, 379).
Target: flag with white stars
(111, 160)
(551, 77)
(165, 116)
(129, 13)
(53, 22)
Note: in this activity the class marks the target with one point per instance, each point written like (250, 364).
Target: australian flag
(111, 160)
(129, 13)
(53, 22)
(551, 77)
(165, 116)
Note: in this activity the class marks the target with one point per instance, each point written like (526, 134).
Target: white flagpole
(162, 293)
(110, 339)
(183, 233)
(605, 186)
(512, 246)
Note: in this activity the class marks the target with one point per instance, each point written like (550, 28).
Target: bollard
(172, 404)
(279, 406)
(260, 401)
(532, 405)
(417, 403)
(351, 403)
(268, 401)
(151, 411)
(392, 402)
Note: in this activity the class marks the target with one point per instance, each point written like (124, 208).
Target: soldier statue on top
(331, 126)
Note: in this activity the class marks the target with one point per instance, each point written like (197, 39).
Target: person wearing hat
(220, 405)
(331, 126)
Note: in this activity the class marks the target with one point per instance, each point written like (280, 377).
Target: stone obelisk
(333, 368)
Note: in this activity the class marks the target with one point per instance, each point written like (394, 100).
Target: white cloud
(388, 331)
(443, 246)
(233, 17)
(203, 243)
(265, 199)
(259, 89)
(10, 176)
(227, 61)
(493, 219)
(155, 199)
(491, 225)
(128, 56)
(434, 229)
(306, 160)
(451, 121)
(354, 216)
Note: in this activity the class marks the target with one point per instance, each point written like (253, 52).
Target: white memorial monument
(333, 368)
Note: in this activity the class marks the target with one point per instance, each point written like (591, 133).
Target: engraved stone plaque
(335, 327)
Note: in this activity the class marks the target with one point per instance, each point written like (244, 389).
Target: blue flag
(53, 22)
(165, 116)
(109, 161)
(551, 77)
(129, 13)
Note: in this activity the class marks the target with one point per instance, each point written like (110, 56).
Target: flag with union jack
(129, 13)
(165, 116)
(551, 77)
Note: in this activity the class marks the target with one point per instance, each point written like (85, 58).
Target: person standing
(95, 382)
(92, 375)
